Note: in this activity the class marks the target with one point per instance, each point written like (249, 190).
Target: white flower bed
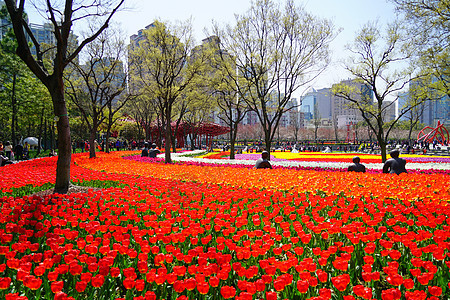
(379, 166)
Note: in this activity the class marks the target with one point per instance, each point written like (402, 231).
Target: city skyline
(349, 15)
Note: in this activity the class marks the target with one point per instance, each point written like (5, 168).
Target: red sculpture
(439, 131)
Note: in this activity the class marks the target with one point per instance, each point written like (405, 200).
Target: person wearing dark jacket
(395, 165)
(144, 152)
(356, 166)
(263, 162)
(153, 151)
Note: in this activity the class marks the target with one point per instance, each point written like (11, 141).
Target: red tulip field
(147, 230)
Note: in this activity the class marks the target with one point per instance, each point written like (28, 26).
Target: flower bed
(338, 161)
(205, 232)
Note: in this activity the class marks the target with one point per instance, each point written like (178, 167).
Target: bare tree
(335, 127)
(277, 50)
(296, 123)
(62, 16)
(144, 112)
(99, 86)
(232, 107)
(418, 90)
(317, 120)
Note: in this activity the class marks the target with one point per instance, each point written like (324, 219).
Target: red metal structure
(198, 130)
(351, 129)
(439, 132)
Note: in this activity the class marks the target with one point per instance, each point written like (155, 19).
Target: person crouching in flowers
(356, 166)
(394, 165)
(263, 162)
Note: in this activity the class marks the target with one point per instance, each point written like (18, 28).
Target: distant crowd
(10, 152)
(118, 145)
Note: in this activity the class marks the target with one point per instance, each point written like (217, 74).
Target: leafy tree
(162, 68)
(21, 92)
(276, 51)
(429, 23)
(376, 67)
(62, 16)
(427, 18)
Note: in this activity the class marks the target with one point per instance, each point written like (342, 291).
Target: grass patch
(28, 189)
(103, 184)
(194, 154)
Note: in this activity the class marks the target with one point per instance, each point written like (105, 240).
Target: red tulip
(228, 292)
(5, 283)
(80, 286)
(214, 281)
(341, 282)
(150, 295)
(115, 272)
(97, 281)
(128, 283)
(140, 285)
(203, 288)
(435, 290)
(271, 296)
(57, 286)
(302, 286)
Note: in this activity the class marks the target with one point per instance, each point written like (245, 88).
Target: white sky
(349, 15)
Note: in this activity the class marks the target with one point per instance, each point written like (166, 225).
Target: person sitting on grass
(356, 166)
(263, 162)
(4, 161)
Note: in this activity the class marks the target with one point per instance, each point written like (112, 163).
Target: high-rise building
(434, 109)
(44, 34)
(136, 38)
(343, 112)
(317, 102)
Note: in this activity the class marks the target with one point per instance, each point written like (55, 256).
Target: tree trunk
(382, 145)
(45, 136)
(64, 143)
(168, 139)
(108, 134)
(193, 137)
(108, 131)
(232, 141)
(268, 144)
(336, 132)
(40, 131)
(92, 142)
(14, 111)
(409, 135)
(173, 141)
(315, 134)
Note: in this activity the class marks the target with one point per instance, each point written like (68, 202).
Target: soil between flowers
(73, 189)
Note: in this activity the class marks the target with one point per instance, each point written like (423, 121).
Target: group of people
(394, 165)
(9, 152)
(152, 152)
